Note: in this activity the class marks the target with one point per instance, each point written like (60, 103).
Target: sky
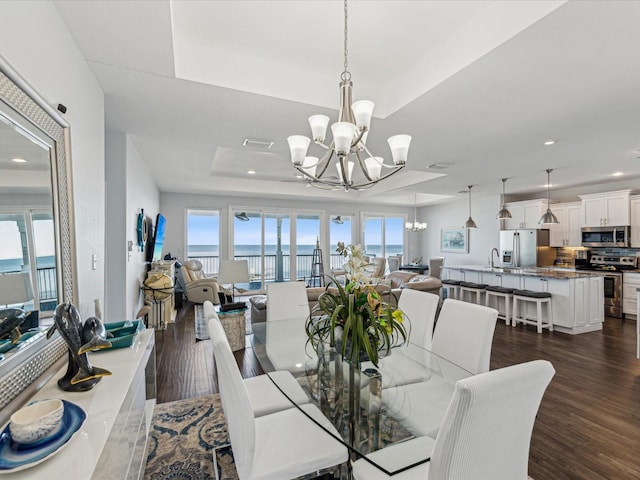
(11, 245)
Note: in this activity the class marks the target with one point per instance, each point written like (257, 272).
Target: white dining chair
(407, 363)
(463, 336)
(265, 397)
(282, 445)
(486, 433)
(286, 342)
(287, 300)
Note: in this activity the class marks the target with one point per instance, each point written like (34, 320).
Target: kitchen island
(577, 297)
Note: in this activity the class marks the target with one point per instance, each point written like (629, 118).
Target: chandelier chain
(346, 75)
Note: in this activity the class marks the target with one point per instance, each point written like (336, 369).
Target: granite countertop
(545, 272)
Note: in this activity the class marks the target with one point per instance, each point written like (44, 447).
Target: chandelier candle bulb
(399, 145)
(349, 171)
(298, 144)
(374, 167)
(309, 166)
(318, 124)
(343, 133)
(362, 111)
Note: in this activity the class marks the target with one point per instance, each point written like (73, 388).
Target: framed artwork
(454, 240)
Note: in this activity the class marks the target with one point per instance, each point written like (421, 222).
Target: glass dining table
(401, 400)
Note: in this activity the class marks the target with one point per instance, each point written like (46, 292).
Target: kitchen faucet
(494, 249)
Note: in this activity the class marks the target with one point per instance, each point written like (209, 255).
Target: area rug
(183, 436)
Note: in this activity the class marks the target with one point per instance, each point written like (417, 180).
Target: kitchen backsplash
(566, 256)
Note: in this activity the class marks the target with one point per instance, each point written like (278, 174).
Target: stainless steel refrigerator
(526, 248)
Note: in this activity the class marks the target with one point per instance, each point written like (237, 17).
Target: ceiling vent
(254, 142)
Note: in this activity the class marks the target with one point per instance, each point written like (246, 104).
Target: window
(383, 235)
(203, 238)
(28, 245)
(307, 238)
(340, 230)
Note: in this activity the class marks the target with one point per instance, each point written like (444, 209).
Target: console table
(111, 442)
(415, 268)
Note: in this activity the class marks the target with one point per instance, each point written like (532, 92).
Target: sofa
(390, 287)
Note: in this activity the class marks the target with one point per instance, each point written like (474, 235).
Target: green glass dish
(123, 335)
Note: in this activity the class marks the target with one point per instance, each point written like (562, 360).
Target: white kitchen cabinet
(635, 220)
(611, 208)
(630, 284)
(525, 214)
(566, 233)
(493, 279)
(577, 304)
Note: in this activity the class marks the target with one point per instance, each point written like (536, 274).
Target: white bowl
(36, 421)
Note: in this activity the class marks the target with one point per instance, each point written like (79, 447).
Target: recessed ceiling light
(617, 174)
(19, 160)
(549, 142)
(251, 172)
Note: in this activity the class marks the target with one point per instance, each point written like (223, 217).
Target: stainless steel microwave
(605, 236)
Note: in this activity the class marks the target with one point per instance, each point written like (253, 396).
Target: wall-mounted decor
(142, 229)
(454, 240)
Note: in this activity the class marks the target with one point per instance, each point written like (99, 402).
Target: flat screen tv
(154, 252)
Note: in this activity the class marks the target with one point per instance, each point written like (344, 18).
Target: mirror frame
(22, 369)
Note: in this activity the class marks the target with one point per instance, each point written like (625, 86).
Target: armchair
(198, 287)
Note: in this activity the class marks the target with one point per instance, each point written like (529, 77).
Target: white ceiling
(480, 85)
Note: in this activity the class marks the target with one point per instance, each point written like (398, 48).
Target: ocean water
(16, 264)
(250, 250)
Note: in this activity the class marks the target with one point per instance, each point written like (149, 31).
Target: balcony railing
(210, 265)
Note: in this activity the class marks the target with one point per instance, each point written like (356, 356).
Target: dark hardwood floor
(588, 425)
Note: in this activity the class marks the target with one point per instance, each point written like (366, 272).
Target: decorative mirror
(36, 228)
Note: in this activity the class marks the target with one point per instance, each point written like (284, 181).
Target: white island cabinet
(111, 442)
(577, 298)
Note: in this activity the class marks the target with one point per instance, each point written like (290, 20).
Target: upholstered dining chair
(486, 433)
(287, 347)
(435, 266)
(393, 262)
(265, 397)
(281, 445)
(463, 335)
(403, 366)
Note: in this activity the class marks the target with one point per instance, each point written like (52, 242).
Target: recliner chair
(198, 287)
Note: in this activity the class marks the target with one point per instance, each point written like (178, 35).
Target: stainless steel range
(611, 267)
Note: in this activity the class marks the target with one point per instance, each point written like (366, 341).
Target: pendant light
(470, 223)
(415, 226)
(548, 217)
(504, 212)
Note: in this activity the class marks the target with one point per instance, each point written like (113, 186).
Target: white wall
(481, 240)
(129, 189)
(174, 206)
(37, 44)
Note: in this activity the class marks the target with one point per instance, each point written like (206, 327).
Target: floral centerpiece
(354, 316)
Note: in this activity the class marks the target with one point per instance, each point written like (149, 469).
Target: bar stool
(495, 292)
(526, 297)
(475, 290)
(453, 288)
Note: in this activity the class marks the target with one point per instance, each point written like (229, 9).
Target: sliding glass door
(265, 240)
(383, 235)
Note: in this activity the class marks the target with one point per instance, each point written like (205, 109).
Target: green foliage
(356, 318)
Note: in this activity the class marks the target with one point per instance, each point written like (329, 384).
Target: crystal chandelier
(349, 143)
(415, 226)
